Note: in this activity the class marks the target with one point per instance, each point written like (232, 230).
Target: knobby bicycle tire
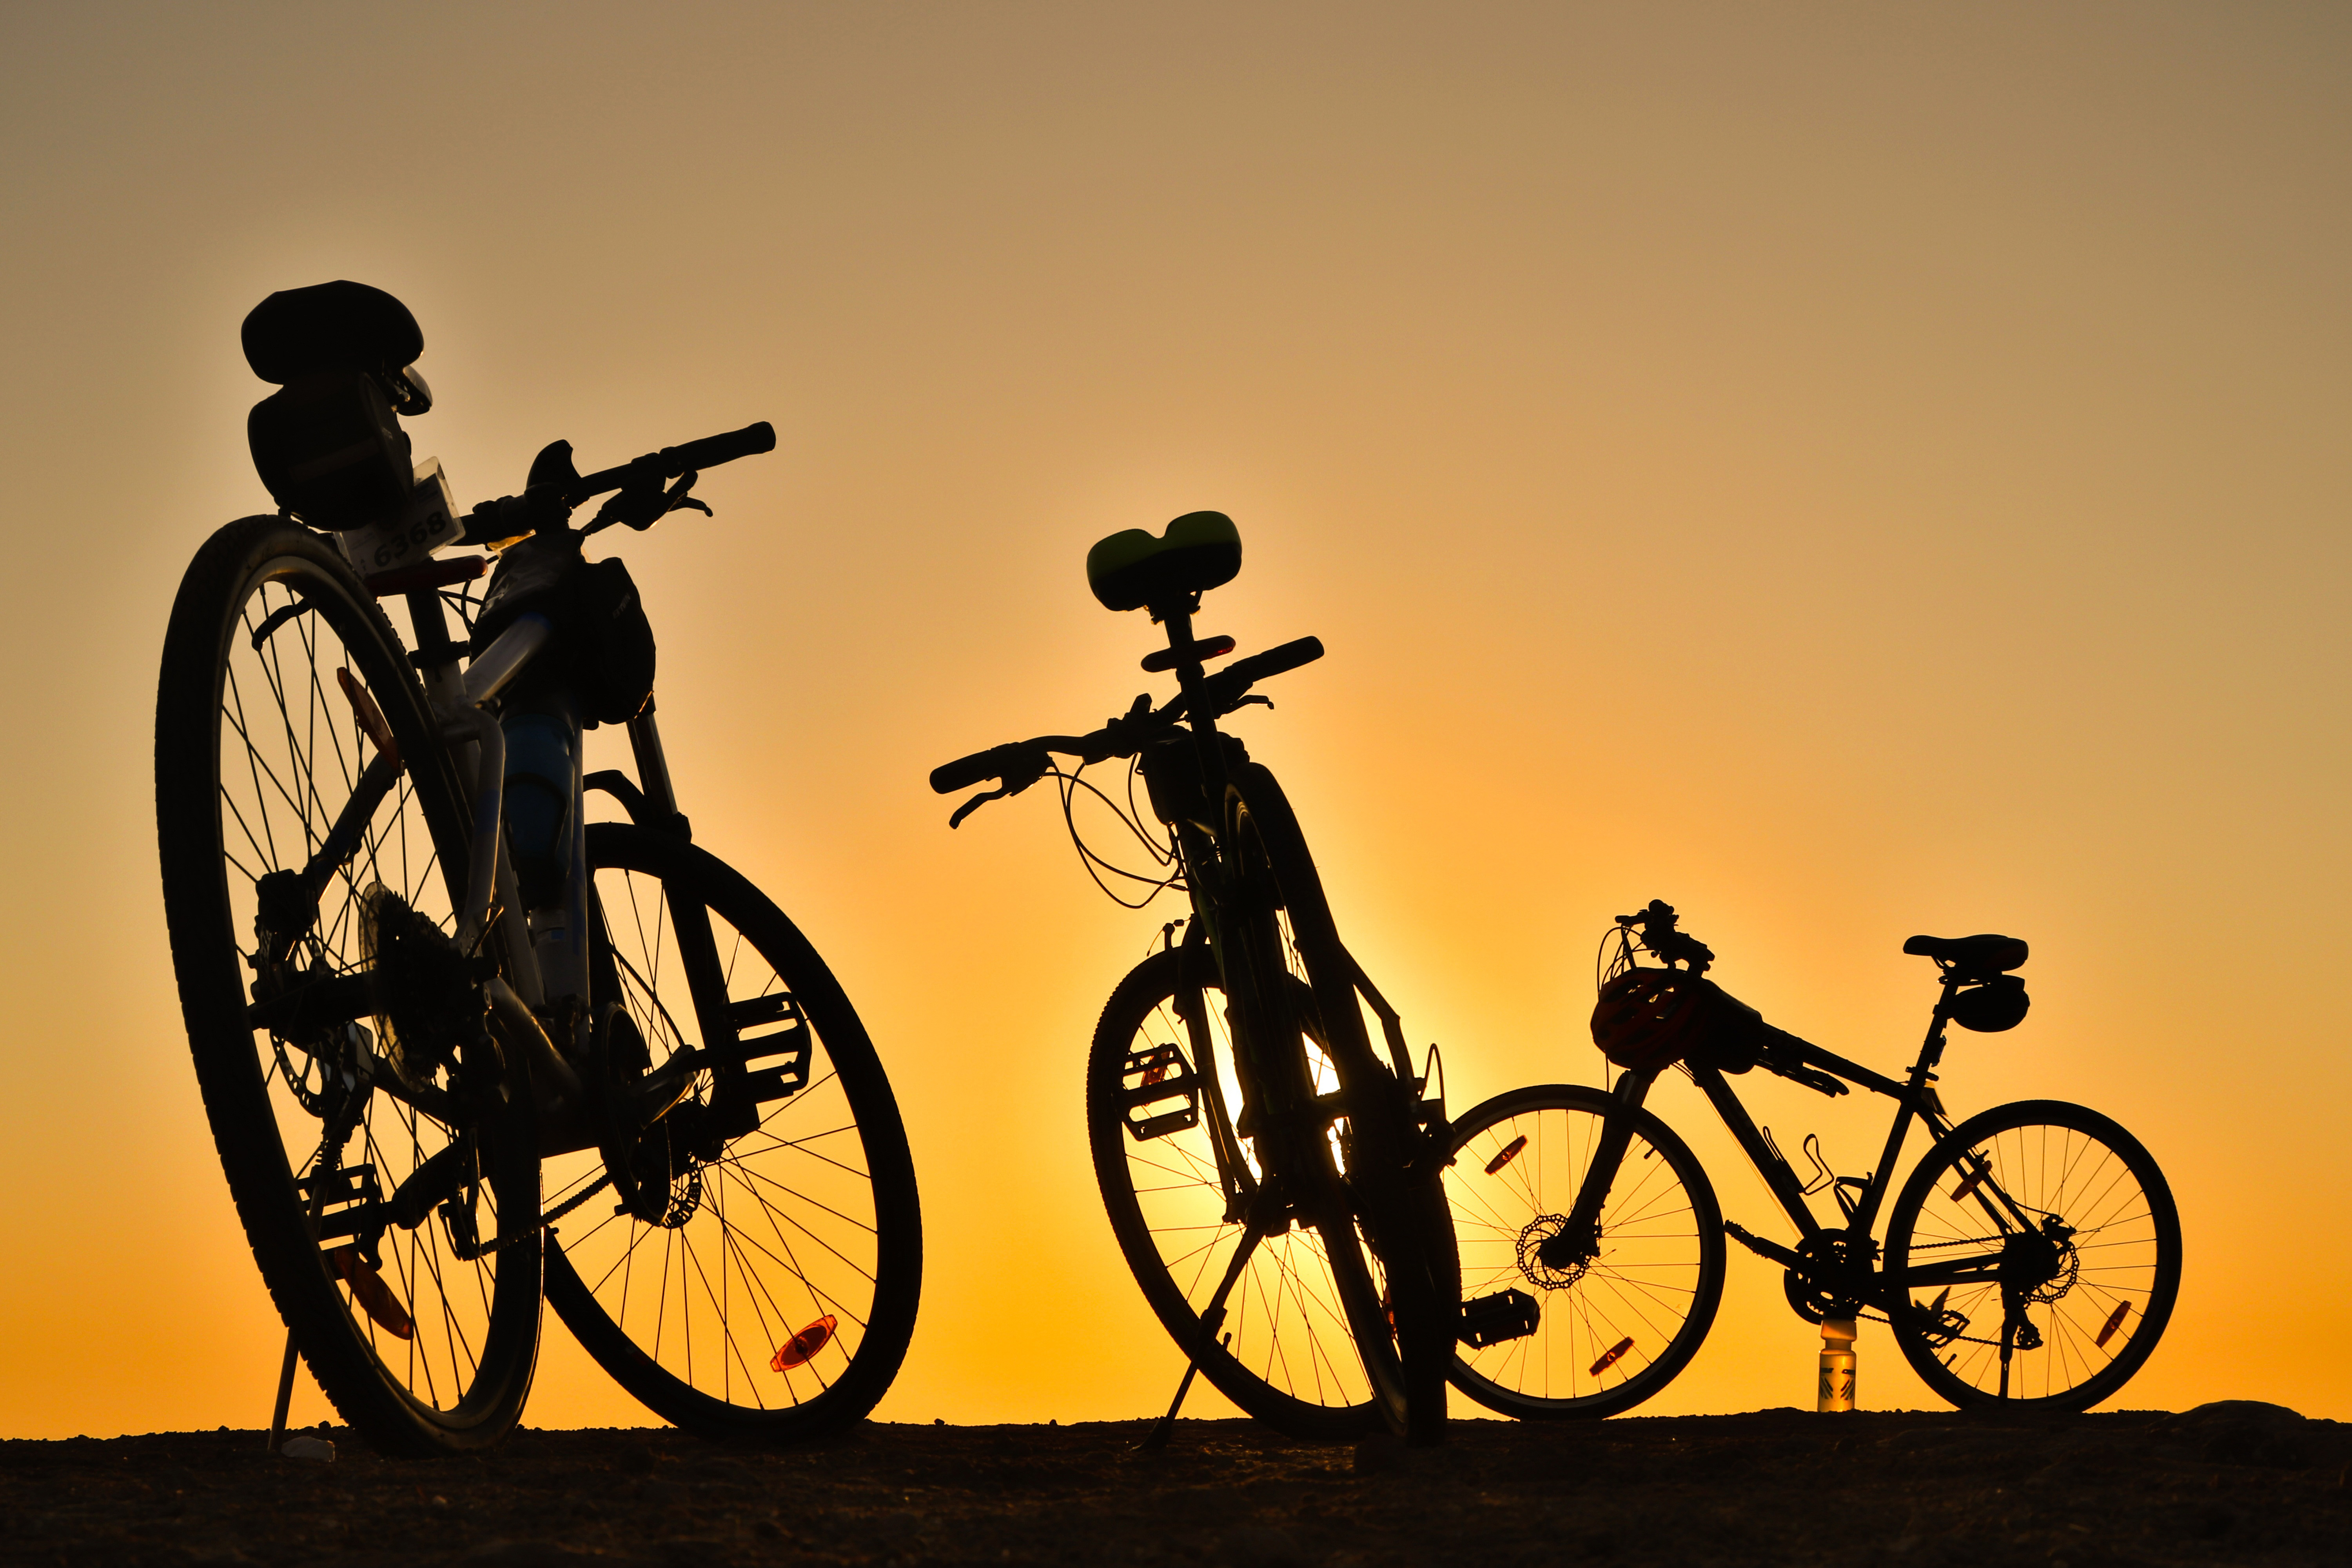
(2101, 1318)
(257, 746)
(1609, 1332)
(774, 1298)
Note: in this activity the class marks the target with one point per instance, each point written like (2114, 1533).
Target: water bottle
(1837, 1363)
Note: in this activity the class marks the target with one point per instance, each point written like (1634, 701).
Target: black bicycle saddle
(338, 326)
(1978, 957)
(1133, 569)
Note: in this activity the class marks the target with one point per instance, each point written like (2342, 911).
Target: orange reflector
(1969, 1186)
(1510, 1153)
(1606, 1362)
(2123, 1309)
(368, 1289)
(370, 716)
(797, 1350)
(1156, 1074)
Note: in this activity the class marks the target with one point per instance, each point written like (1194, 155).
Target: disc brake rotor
(1539, 1273)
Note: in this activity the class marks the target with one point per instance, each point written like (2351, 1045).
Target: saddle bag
(330, 451)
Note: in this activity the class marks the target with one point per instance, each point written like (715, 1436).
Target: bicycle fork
(1578, 1241)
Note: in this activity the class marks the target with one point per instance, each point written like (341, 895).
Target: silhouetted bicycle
(411, 971)
(1272, 1182)
(2033, 1256)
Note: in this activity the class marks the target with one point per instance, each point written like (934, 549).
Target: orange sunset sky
(1848, 470)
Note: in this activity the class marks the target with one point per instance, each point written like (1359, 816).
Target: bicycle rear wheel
(2073, 1210)
(1406, 1307)
(759, 1285)
(393, 1210)
(1601, 1335)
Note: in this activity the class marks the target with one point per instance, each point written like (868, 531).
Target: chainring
(1822, 1288)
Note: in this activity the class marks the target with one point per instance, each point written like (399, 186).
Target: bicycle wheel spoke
(761, 1296)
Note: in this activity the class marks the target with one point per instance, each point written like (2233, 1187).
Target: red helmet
(1648, 1019)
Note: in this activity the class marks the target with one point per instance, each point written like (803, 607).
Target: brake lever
(639, 507)
(1005, 786)
(678, 500)
(976, 801)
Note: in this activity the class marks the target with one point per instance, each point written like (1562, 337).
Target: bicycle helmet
(1648, 1019)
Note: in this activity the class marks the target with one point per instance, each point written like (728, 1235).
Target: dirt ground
(2232, 1483)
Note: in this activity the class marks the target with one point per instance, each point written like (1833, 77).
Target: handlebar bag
(1172, 778)
(603, 643)
(613, 643)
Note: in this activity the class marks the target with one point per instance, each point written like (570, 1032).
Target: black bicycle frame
(1914, 1095)
(1274, 1081)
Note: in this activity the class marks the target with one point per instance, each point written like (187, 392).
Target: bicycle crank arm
(1770, 1251)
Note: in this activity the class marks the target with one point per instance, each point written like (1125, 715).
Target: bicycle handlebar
(1258, 667)
(548, 505)
(671, 461)
(1009, 761)
(1026, 760)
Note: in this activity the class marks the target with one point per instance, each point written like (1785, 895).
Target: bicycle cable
(1070, 784)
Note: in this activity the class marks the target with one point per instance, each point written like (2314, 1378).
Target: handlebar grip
(965, 772)
(712, 450)
(1274, 660)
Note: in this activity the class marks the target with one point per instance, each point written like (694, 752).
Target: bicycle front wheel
(755, 1284)
(1169, 1165)
(1586, 1337)
(2040, 1251)
(386, 1174)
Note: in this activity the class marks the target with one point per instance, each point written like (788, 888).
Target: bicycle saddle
(1975, 957)
(339, 326)
(1133, 569)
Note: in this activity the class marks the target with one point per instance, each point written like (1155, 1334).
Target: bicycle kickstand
(285, 1367)
(1157, 1437)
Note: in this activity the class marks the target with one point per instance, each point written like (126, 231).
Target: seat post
(1178, 619)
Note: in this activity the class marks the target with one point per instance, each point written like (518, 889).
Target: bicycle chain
(550, 1217)
(1930, 1245)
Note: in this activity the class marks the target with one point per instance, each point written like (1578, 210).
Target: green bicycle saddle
(1130, 570)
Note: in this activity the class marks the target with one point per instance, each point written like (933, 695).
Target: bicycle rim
(260, 747)
(1405, 1332)
(2098, 1318)
(1610, 1331)
(772, 1295)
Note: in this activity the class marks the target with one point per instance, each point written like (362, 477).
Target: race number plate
(431, 522)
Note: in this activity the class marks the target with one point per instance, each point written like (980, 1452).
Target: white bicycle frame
(550, 965)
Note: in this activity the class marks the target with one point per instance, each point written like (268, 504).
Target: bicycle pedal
(1507, 1314)
(356, 1200)
(788, 1040)
(1162, 1074)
